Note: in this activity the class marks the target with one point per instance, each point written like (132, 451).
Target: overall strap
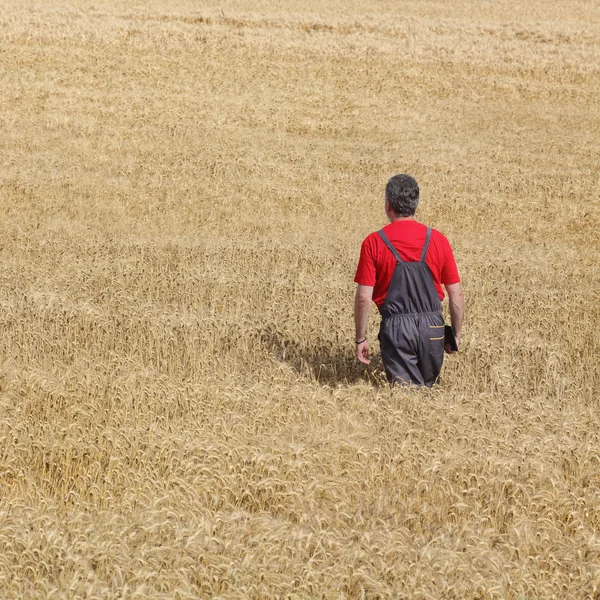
(427, 240)
(389, 245)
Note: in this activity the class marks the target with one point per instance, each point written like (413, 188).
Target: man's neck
(394, 218)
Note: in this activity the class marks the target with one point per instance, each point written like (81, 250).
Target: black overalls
(412, 327)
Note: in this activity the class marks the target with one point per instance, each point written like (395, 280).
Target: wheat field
(184, 189)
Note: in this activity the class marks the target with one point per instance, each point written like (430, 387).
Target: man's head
(402, 195)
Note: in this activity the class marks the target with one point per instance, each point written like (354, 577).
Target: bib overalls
(411, 334)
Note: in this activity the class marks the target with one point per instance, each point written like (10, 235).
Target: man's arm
(457, 308)
(362, 306)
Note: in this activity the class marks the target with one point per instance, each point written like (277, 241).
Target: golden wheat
(184, 191)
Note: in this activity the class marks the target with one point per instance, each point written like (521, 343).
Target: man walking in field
(402, 268)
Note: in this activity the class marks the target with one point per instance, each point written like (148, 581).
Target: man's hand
(448, 348)
(362, 352)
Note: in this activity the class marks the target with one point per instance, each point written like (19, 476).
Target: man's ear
(388, 209)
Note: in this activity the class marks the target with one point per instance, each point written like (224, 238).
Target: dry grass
(184, 191)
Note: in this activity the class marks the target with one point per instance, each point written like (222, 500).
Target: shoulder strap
(427, 240)
(389, 245)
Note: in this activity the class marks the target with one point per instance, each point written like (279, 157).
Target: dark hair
(402, 192)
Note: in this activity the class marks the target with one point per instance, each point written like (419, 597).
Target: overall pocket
(436, 348)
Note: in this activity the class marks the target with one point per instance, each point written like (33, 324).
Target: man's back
(377, 264)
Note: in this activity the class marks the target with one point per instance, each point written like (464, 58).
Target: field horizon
(184, 191)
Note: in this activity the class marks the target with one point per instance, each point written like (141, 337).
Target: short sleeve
(365, 271)
(449, 274)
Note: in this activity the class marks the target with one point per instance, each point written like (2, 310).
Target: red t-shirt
(376, 264)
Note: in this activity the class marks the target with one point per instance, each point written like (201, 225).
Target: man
(402, 269)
